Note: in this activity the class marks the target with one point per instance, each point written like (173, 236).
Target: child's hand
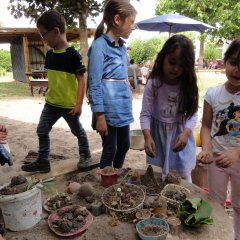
(76, 111)
(3, 134)
(205, 157)
(181, 142)
(101, 125)
(226, 158)
(150, 148)
(3, 128)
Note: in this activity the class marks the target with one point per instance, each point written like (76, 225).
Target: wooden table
(222, 228)
(37, 78)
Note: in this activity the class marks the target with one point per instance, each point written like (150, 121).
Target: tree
(145, 50)
(5, 60)
(223, 14)
(71, 9)
(211, 52)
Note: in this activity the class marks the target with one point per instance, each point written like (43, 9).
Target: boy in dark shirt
(64, 97)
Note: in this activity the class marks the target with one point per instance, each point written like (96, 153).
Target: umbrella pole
(170, 29)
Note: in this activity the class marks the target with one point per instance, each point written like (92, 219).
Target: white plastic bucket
(21, 211)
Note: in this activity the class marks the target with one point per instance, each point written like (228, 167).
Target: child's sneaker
(85, 163)
(37, 166)
(85, 160)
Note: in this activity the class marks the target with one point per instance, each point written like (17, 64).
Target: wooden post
(26, 54)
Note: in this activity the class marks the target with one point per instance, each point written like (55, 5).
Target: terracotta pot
(108, 179)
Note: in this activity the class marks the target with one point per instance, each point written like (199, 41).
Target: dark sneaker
(85, 160)
(85, 163)
(37, 166)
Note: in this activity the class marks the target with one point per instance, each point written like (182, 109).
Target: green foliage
(45, 184)
(145, 50)
(5, 62)
(211, 51)
(74, 11)
(71, 10)
(76, 45)
(2, 72)
(224, 14)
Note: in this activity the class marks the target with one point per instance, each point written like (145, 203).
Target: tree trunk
(83, 33)
(201, 52)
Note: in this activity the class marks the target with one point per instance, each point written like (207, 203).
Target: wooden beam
(26, 54)
(7, 35)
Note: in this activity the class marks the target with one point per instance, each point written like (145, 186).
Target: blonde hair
(123, 8)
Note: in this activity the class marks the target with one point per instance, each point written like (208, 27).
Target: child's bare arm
(77, 110)
(206, 155)
(101, 125)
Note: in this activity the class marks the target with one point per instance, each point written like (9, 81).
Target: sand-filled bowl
(152, 229)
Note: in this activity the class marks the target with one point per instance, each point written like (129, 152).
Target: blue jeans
(48, 118)
(115, 146)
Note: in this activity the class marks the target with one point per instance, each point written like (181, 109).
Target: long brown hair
(188, 79)
(112, 8)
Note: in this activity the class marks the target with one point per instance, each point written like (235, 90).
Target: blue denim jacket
(107, 63)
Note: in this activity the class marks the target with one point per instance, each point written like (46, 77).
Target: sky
(145, 9)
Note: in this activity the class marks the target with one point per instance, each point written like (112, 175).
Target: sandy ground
(21, 117)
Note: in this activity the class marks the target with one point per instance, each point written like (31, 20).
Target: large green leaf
(195, 211)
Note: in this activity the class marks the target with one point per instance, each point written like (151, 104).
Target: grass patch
(14, 89)
(207, 80)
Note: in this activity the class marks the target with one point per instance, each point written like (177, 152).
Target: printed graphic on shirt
(228, 123)
(170, 110)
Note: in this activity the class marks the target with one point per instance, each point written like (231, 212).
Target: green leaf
(195, 211)
(48, 179)
(30, 184)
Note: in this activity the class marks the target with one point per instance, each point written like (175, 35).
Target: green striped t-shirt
(62, 65)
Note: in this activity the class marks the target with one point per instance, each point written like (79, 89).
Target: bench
(37, 78)
(39, 82)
